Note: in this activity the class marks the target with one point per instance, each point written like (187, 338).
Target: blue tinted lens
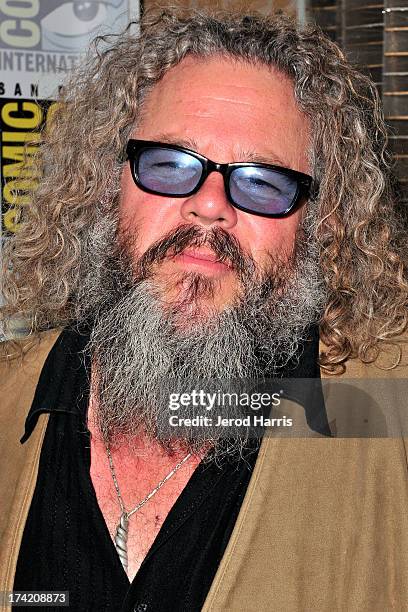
(262, 190)
(168, 171)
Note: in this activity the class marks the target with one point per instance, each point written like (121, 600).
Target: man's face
(229, 112)
(167, 308)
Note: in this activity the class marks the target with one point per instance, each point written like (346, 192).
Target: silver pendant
(121, 540)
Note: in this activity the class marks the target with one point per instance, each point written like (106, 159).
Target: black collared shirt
(66, 545)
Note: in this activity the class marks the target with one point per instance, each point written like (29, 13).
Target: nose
(210, 207)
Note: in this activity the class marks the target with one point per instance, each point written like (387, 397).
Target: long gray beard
(140, 351)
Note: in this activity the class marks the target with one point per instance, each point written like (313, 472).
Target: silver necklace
(121, 534)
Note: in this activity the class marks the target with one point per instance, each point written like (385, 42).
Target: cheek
(141, 211)
(133, 220)
(273, 235)
(148, 216)
(131, 200)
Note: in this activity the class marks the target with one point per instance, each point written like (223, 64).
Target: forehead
(228, 109)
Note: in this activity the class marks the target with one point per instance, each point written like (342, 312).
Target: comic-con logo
(58, 25)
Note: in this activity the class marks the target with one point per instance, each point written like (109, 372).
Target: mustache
(225, 246)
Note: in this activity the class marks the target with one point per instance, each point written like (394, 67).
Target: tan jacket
(323, 526)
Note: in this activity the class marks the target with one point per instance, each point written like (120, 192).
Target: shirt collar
(63, 385)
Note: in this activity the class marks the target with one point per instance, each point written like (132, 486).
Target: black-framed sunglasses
(260, 189)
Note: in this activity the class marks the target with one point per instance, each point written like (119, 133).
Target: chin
(191, 298)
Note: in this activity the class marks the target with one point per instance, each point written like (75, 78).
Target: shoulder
(21, 362)
(392, 362)
(20, 351)
(368, 400)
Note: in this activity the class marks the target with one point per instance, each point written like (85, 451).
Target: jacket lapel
(20, 368)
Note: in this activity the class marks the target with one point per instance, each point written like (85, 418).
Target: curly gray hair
(358, 234)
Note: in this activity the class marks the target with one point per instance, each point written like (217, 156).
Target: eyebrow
(243, 155)
(269, 158)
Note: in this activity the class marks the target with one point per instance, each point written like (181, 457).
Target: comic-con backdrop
(40, 41)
